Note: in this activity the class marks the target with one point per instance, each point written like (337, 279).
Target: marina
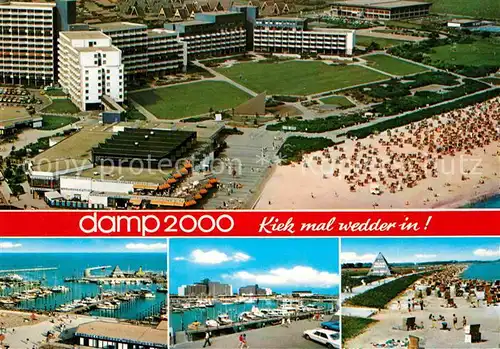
(74, 287)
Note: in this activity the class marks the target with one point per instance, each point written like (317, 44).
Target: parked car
(331, 339)
(331, 325)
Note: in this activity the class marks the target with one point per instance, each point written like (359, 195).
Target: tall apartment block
(28, 45)
(145, 52)
(292, 35)
(212, 33)
(89, 68)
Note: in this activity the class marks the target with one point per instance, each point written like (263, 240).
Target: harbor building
(380, 267)
(181, 291)
(13, 119)
(90, 67)
(145, 52)
(206, 288)
(252, 290)
(380, 9)
(101, 334)
(216, 289)
(212, 34)
(292, 35)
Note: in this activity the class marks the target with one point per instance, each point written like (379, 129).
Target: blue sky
(420, 249)
(83, 245)
(283, 265)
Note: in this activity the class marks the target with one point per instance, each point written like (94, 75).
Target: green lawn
(473, 8)
(383, 42)
(481, 52)
(341, 101)
(61, 106)
(353, 326)
(178, 101)
(298, 77)
(393, 65)
(55, 92)
(53, 122)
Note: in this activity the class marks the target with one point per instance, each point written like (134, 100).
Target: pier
(27, 270)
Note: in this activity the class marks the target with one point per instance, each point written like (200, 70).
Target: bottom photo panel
(83, 293)
(420, 292)
(254, 293)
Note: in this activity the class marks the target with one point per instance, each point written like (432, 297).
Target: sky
(416, 250)
(284, 265)
(83, 245)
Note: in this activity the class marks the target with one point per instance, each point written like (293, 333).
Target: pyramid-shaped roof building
(380, 267)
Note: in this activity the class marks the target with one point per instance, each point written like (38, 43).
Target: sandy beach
(391, 319)
(443, 162)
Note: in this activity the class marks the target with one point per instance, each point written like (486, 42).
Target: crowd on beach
(403, 157)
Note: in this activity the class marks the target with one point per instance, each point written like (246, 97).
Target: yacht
(211, 323)
(107, 306)
(224, 319)
(60, 289)
(148, 295)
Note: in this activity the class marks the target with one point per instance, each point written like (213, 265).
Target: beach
(390, 320)
(443, 162)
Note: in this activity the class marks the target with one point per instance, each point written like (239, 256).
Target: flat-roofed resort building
(212, 33)
(98, 167)
(101, 334)
(13, 119)
(292, 35)
(381, 9)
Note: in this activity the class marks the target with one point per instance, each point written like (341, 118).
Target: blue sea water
(491, 29)
(73, 265)
(492, 202)
(483, 271)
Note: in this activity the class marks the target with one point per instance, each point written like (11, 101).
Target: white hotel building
(291, 35)
(27, 43)
(90, 67)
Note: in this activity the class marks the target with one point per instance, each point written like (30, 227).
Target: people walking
(421, 304)
(455, 321)
(464, 322)
(207, 340)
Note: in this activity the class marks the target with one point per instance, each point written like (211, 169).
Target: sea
(483, 271)
(72, 265)
(492, 202)
(180, 321)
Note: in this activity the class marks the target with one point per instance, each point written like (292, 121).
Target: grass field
(478, 8)
(353, 326)
(383, 42)
(61, 106)
(178, 101)
(337, 100)
(53, 122)
(393, 65)
(298, 78)
(481, 52)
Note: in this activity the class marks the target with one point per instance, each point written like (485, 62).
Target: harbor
(104, 290)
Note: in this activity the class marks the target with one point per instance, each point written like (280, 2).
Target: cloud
(213, 257)
(147, 247)
(297, 276)
(425, 256)
(9, 245)
(353, 257)
(484, 252)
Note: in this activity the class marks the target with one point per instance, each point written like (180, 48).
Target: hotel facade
(291, 35)
(381, 10)
(90, 67)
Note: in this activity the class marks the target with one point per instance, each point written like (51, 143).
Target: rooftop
(97, 49)
(204, 131)
(43, 5)
(71, 153)
(118, 26)
(134, 334)
(187, 23)
(464, 20)
(127, 174)
(387, 4)
(82, 35)
(11, 115)
(290, 19)
(332, 30)
(161, 32)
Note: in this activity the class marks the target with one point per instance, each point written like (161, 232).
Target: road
(275, 337)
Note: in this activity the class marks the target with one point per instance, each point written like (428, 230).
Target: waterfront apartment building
(145, 52)
(292, 35)
(381, 10)
(252, 290)
(206, 289)
(216, 289)
(90, 67)
(212, 34)
(27, 43)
